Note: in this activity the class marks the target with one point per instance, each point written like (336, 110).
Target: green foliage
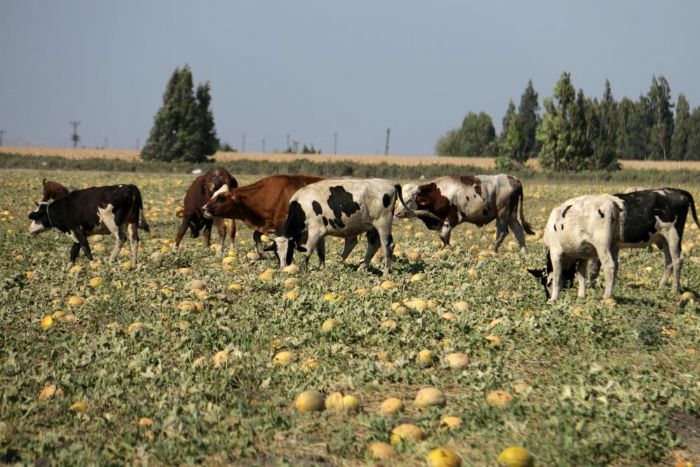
(183, 129)
(476, 138)
(661, 119)
(693, 150)
(527, 121)
(681, 130)
(592, 384)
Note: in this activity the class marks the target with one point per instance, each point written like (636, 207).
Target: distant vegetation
(183, 129)
(577, 133)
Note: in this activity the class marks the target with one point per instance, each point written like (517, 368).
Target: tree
(510, 141)
(632, 129)
(661, 114)
(183, 128)
(554, 132)
(693, 149)
(527, 121)
(679, 141)
(476, 137)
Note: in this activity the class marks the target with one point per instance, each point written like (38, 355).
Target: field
(155, 368)
(485, 163)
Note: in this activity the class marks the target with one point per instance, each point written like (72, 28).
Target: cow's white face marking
(223, 189)
(36, 227)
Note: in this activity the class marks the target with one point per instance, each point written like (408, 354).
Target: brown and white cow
(199, 192)
(97, 210)
(262, 205)
(446, 202)
(578, 230)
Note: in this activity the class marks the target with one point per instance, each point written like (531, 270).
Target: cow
(656, 217)
(448, 201)
(193, 216)
(53, 191)
(578, 230)
(341, 208)
(262, 206)
(97, 210)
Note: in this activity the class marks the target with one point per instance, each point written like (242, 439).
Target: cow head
(546, 278)
(53, 191)
(41, 220)
(219, 203)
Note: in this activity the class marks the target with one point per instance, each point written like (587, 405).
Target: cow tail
(692, 208)
(526, 225)
(143, 224)
(421, 212)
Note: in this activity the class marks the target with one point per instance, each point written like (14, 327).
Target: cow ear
(43, 182)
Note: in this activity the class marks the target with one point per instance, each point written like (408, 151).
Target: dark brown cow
(192, 215)
(263, 205)
(446, 202)
(53, 191)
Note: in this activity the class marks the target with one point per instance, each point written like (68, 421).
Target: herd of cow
(300, 210)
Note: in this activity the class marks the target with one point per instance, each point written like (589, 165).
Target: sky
(312, 69)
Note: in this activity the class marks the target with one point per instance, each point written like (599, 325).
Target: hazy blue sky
(311, 68)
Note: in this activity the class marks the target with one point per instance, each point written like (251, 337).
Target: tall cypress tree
(661, 115)
(183, 128)
(679, 141)
(527, 121)
(554, 133)
(693, 149)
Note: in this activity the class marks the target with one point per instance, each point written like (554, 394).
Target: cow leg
(321, 250)
(668, 264)
(674, 245)
(74, 252)
(609, 265)
(556, 275)
(181, 231)
(445, 232)
(120, 238)
(373, 244)
(221, 230)
(311, 243)
(581, 276)
(501, 232)
(387, 241)
(231, 231)
(259, 246)
(134, 240)
(207, 232)
(518, 232)
(350, 243)
(594, 271)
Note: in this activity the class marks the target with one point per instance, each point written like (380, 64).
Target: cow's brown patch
(471, 180)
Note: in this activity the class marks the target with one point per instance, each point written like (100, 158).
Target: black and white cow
(97, 210)
(446, 202)
(578, 230)
(656, 217)
(341, 208)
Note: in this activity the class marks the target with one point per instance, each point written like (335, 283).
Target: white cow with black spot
(342, 208)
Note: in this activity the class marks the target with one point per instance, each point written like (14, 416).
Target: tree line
(576, 132)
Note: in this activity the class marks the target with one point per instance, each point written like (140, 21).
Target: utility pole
(75, 137)
(288, 146)
(386, 148)
(335, 143)
(243, 143)
(263, 145)
(2, 133)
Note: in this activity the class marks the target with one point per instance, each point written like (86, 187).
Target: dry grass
(479, 162)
